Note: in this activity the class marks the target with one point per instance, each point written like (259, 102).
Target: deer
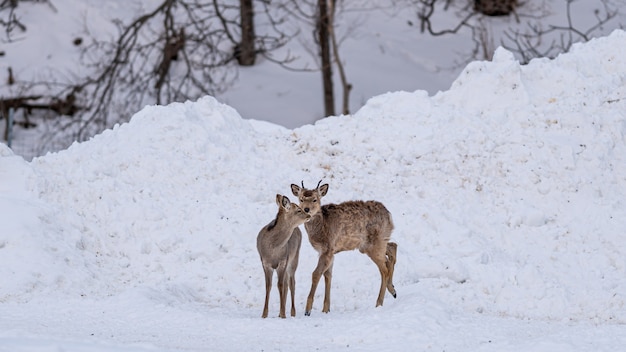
(278, 244)
(334, 228)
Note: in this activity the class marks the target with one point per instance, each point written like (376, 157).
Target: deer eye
(314, 200)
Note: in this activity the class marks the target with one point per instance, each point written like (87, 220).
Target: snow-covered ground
(508, 193)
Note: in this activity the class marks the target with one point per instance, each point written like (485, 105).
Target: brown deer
(334, 228)
(278, 244)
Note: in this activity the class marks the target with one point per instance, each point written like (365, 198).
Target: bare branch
(427, 11)
(347, 87)
(551, 40)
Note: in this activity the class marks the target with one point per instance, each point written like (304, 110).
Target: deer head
(310, 199)
(290, 211)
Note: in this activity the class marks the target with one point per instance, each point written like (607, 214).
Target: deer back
(349, 225)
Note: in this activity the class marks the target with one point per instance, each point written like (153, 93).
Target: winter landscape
(507, 190)
(507, 193)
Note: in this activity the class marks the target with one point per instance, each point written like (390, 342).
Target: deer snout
(306, 210)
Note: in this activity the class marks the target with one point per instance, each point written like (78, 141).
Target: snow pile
(508, 194)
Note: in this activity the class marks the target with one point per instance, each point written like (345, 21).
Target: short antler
(302, 184)
(318, 184)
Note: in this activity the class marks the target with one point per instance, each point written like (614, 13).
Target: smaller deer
(334, 228)
(278, 244)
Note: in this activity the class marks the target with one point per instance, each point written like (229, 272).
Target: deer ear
(295, 189)
(279, 200)
(323, 189)
(285, 203)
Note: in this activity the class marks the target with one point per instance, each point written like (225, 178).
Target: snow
(507, 192)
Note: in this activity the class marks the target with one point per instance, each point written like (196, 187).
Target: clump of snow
(507, 191)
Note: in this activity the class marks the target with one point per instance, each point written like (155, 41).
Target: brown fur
(278, 244)
(333, 228)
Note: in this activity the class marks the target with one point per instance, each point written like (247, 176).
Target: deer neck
(280, 229)
(315, 224)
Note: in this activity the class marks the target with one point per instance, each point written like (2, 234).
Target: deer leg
(380, 261)
(322, 265)
(391, 263)
(282, 291)
(292, 289)
(268, 287)
(328, 276)
(293, 266)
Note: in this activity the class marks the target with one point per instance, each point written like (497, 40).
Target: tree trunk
(246, 55)
(347, 87)
(324, 43)
(495, 7)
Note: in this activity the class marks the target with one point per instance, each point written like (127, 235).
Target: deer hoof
(307, 313)
(394, 295)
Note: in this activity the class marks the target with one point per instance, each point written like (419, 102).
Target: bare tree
(528, 35)
(346, 86)
(29, 98)
(180, 50)
(323, 40)
(495, 7)
(426, 11)
(322, 15)
(246, 51)
(548, 40)
(11, 21)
